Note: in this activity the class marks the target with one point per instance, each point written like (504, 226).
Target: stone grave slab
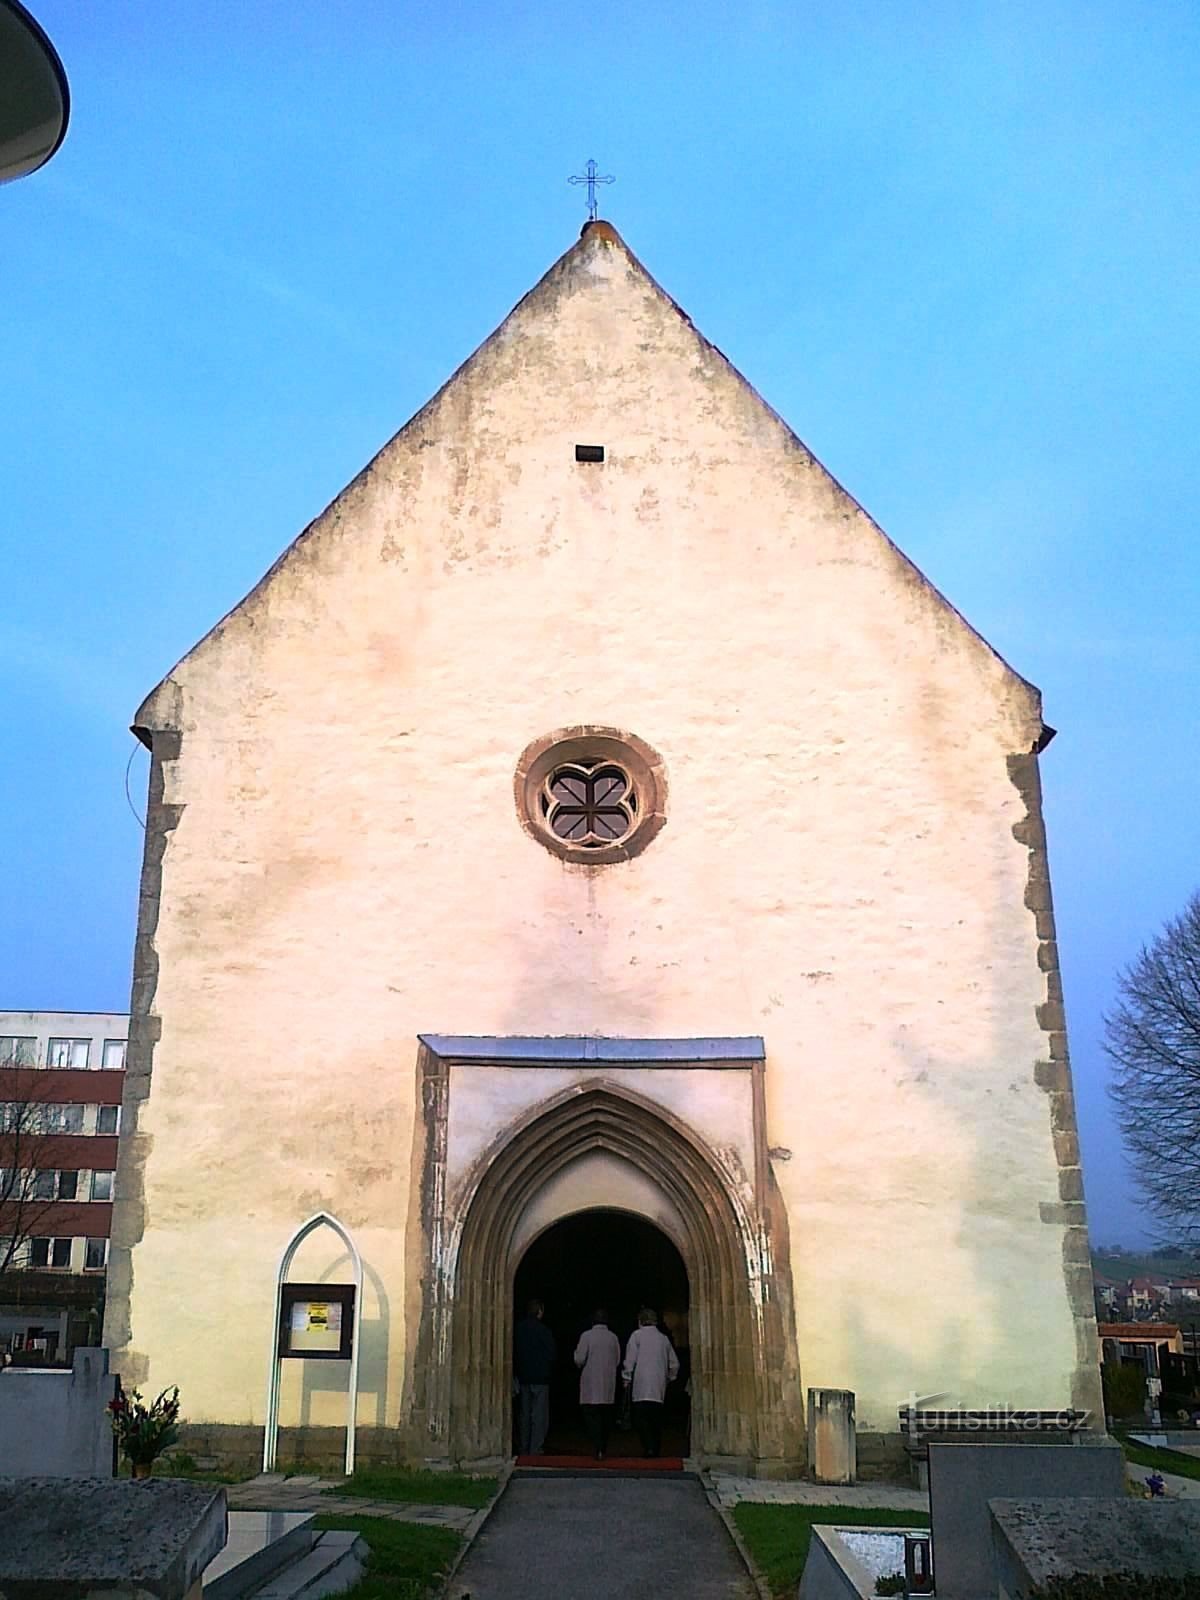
(964, 1477)
(70, 1538)
(259, 1544)
(1036, 1541)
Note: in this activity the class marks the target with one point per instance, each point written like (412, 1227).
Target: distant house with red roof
(1130, 1338)
(1142, 1293)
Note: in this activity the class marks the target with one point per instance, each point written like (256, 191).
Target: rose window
(589, 805)
(591, 795)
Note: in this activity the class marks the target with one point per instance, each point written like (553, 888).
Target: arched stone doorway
(744, 1388)
(619, 1261)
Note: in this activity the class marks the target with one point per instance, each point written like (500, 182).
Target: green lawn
(778, 1536)
(1145, 1455)
(418, 1488)
(406, 1561)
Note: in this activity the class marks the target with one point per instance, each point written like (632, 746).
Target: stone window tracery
(589, 804)
(590, 794)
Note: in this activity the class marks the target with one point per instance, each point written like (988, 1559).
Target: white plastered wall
(838, 871)
(714, 1104)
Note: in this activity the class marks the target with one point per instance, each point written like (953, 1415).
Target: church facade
(593, 815)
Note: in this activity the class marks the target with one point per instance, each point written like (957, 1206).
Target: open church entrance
(605, 1141)
(621, 1262)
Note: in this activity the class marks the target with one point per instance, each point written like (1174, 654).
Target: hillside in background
(1176, 1262)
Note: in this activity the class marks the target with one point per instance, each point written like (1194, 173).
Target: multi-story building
(61, 1078)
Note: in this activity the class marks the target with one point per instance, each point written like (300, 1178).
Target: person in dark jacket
(534, 1354)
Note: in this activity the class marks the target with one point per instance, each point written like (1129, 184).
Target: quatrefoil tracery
(591, 804)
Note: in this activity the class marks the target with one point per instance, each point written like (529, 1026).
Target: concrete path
(1177, 1488)
(594, 1538)
(274, 1492)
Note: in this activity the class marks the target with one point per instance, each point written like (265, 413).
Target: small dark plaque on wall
(589, 452)
(316, 1321)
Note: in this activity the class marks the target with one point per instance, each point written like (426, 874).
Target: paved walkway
(594, 1538)
(273, 1492)
(887, 1496)
(1177, 1488)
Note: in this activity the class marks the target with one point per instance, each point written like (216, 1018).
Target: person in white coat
(597, 1355)
(650, 1365)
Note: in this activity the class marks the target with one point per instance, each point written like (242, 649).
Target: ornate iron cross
(592, 178)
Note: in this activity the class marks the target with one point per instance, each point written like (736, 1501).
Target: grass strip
(778, 1537)
(406, 1561)
(1165, 1459)
(413, 1487)
(171, 1467)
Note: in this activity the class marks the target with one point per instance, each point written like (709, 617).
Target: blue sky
(955, 245)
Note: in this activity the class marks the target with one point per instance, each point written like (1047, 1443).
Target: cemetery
(1018, 1522)
(1020, 1507)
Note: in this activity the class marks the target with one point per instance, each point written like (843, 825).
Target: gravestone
(71, 1539)
(832, 1449)
(56, 1423)
(963, 1478)
(1036, 1541)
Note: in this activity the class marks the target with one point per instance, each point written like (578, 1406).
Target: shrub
(1124, 1389)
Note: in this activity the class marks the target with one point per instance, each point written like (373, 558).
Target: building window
(95, 1255)
(68, 1053)
(102, 1185)
(113, 1056)
(17, 1052)
(108, 1119)
(29, 1117)
(50, 1253)
(62, 1119)
(54, 1186)
(591, 795)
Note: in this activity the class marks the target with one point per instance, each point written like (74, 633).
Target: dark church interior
(621, 1262)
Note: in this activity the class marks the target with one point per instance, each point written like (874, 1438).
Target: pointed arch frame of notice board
(321, 1219)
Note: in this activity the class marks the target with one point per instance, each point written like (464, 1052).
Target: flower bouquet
(144, 1431)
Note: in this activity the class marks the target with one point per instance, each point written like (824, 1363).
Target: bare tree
(32, 1152)
(1153, 1039)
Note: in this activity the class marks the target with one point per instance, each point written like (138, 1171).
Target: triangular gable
(565, 275)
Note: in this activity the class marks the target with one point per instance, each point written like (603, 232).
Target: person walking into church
(534, 1355)
(650, 1365)
(598, 1355)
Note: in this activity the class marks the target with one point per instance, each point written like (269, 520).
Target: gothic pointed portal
(744, 1384)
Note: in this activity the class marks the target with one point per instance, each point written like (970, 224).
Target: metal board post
(322, 1219)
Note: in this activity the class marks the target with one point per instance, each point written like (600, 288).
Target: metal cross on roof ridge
(591, 177)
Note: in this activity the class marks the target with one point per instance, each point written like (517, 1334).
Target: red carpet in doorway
(609, 1464)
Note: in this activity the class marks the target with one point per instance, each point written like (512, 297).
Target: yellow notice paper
(316, 1325)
